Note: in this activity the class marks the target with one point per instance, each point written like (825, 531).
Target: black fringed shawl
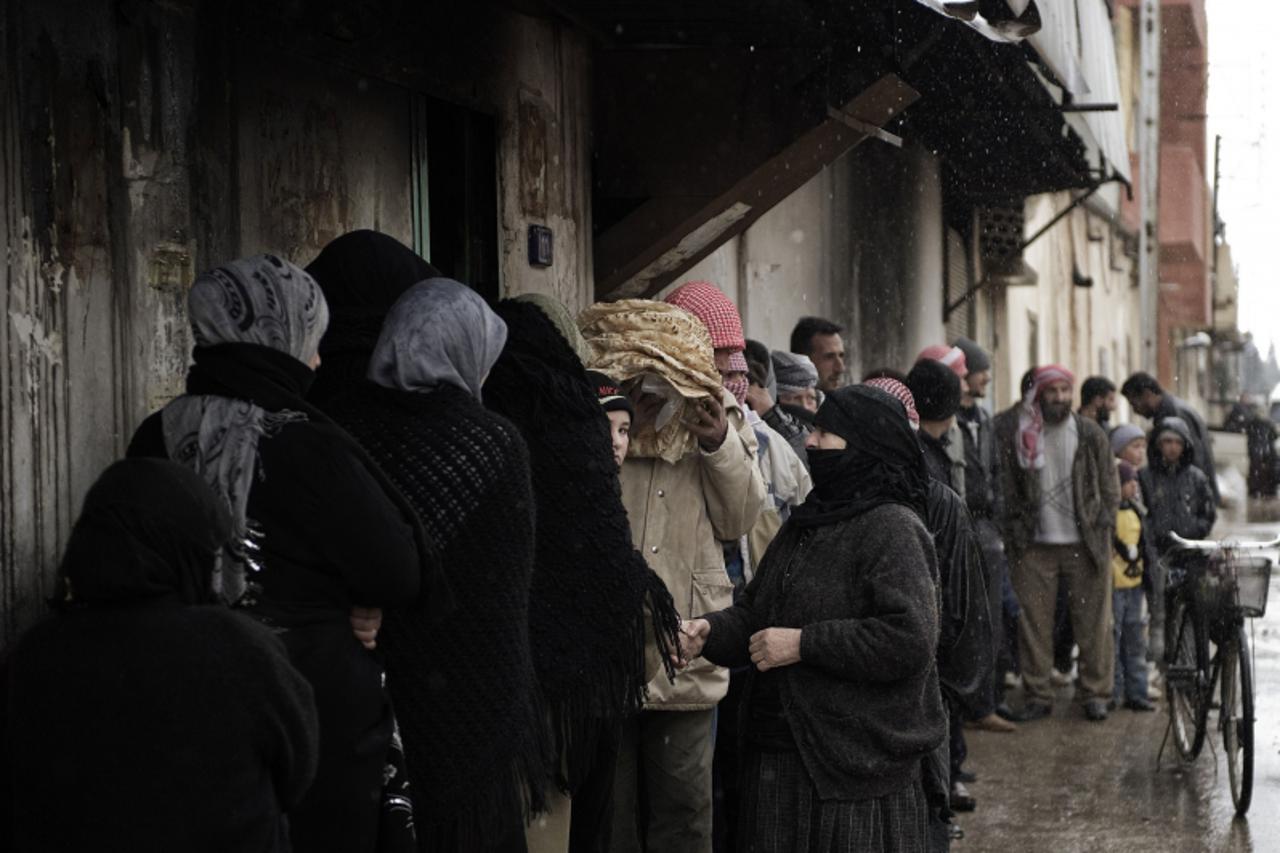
(593, 597)
(464, 688)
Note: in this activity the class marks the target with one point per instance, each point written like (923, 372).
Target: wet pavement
(1065, 785)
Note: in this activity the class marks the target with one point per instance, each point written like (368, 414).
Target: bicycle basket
(1246, 581)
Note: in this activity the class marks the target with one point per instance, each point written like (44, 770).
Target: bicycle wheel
(1186, 678)
(1237, 720)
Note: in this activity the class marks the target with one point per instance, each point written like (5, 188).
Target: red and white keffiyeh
(738, 383)
(717, 312)
(1030, 443)
(952, 357)
(902, 393)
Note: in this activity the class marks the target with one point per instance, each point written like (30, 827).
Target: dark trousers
(992, 545)
(662, 798)
(591, 822)
(1064, 638)
(958, 750)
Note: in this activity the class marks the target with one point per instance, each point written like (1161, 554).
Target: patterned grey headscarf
(264, 301)
(438, 332)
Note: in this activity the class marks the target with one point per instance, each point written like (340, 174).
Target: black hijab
(593, 599)
(882, 462)
(362, 274)
(150, 530)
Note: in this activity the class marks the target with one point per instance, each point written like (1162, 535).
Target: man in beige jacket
(679, 512)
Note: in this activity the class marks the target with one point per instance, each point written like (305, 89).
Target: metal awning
(1075, 47)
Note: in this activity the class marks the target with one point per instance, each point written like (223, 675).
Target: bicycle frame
(1194, 682)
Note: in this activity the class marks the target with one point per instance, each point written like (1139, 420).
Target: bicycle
(1210, 606)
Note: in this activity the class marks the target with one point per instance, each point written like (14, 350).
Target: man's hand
(706, 419)
(775, 647)
(758, 399)
(365, 624)
(647, 407)
(693, 636)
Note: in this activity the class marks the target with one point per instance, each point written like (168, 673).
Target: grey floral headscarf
(262, 300)
(439, 332)
(265, 301)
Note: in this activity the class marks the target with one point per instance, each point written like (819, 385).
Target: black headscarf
(150, 530)
(882, 462)
(593, 599)
(362, 274)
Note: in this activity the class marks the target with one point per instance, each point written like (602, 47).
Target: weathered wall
(543, 95)
(143, 142)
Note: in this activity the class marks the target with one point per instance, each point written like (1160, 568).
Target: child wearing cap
(1128, 561)
(619, 409)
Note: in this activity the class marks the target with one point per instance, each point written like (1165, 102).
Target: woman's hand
(365, 624)
(693, 636)
(775, 647)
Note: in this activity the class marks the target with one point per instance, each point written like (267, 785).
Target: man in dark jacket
(936, 390)
(978, 434)
(1151, 401)
(965, 650)
(1060, 493)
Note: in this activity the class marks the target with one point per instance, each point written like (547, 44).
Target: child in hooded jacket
(1130, 558)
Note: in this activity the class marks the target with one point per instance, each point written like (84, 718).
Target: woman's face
(806, 399)
(820, 439)
(620, 430)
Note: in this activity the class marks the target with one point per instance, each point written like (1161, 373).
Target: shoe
(1140, 705)
(1095, 710)
(1033, 711)
(954, 832)
(961, 799)
(1004, 712)
(965, 776)
(1058, 678)
(994, 722)
(1154, 692)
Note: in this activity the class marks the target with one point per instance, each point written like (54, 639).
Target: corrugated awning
(1075, 45)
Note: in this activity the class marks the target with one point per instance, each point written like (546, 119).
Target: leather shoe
(1032, 711)
(961, 799)
(1140, 705)
(992, 723)
(1095, 710)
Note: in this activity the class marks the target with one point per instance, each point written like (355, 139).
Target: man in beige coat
(679, 513)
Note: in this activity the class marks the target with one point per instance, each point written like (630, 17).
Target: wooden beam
(660, 240)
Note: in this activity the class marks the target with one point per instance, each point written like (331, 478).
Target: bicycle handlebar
(1219, 545)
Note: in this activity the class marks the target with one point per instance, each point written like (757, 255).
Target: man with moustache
(1061, 494)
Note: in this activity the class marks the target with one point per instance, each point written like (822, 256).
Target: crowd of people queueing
(404, 570)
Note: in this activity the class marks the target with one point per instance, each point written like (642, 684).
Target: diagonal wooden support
(639, 256)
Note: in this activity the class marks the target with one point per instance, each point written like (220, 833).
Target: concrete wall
(142, 142)
(861, 243)
(1090, 330)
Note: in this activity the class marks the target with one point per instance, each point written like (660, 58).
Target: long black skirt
(781, 813)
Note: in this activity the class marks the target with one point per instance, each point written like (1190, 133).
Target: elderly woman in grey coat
(840, 625)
